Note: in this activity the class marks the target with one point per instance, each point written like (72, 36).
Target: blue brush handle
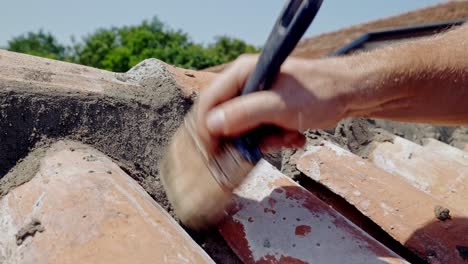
(292, 23)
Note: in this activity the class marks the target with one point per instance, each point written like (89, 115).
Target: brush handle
(292, 23)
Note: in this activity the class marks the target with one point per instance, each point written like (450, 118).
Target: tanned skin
(417, 81)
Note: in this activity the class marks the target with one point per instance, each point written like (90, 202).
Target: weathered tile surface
(402, 210)
(88, 210)
(274, 220)
(432, 173)
(446, 150)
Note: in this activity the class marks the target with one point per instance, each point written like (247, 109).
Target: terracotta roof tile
(430, 172)
(403, 211)
(85, 209)
(432, 145)
(324, 44)
(275, 220)
(327, 43)
(263, 223)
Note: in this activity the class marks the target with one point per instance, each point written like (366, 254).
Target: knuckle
(245, 59)
(238, 116)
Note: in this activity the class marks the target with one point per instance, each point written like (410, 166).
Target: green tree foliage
(120, 48)
(227, 49)
(38, 44)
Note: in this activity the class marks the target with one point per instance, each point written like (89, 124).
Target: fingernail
(215, 121)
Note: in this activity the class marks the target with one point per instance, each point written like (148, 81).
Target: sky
(250, 20)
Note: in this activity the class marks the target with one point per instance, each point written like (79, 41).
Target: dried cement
(132, 126)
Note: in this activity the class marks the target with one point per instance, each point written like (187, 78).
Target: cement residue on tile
(357, 135)
(28, 230)
(288, 167)
(148, 69)
(24, 170)
(35, 75)
(90, 158)
(131, 122)
(360, 135)
(455, 136)
(441, 213)
(314, 138)
(459, 137)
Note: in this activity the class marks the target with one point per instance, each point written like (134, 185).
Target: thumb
(244, 113)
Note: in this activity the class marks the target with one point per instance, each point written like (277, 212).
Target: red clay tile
(402, 210)
(89, 211)
(274, 220)
(446, 150)
(321, 45)
(30, 72)
(435, 174)
(190, 80)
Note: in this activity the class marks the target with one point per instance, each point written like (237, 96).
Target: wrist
(345, 80)
(370, 82)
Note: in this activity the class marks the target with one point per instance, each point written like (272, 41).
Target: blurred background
(115, 35)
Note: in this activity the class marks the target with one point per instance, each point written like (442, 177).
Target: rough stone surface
(442, 213)
(131, 122)
(75, 211)
(130, 117)
(24, 171)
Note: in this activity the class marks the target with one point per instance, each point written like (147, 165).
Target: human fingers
(225, 87)
(242, 114)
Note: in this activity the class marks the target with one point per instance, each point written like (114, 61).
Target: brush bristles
(197, 198)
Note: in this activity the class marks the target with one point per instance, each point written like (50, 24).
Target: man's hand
(417, 81)
(305, 95)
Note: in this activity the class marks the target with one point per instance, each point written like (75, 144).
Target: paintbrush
(199, 182)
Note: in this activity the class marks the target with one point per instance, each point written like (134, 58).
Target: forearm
(419, 81)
